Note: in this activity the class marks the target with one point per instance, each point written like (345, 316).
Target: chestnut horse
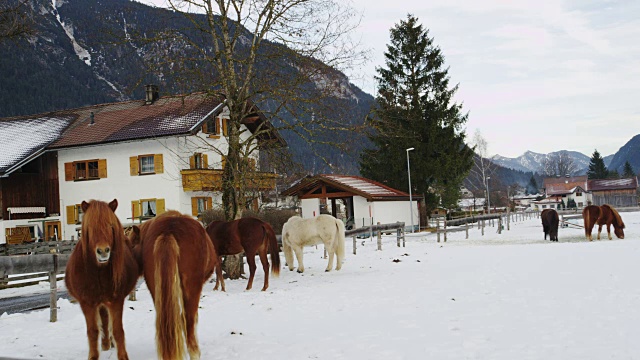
(550, 221)
(601, 215)
(252, 236)
(100, 273)
(177, 258)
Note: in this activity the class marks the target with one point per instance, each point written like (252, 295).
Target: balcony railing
(211, 180)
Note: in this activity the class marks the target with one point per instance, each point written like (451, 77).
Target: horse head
(100, 229)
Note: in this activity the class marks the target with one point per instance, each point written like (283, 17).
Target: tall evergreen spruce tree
(597, 169)
(415, 109)
(627, 171)
(532, 187)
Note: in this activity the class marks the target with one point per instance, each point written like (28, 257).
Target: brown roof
(369, 189)
(613, 184)
(565, 185)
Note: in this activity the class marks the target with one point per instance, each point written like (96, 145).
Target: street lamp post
(488, 196)
(410, 196)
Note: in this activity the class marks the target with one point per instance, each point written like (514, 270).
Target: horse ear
(84, 206)
(113, 205)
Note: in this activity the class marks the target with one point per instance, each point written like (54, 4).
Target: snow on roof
(20, 137)
(365, 185)
(613, 184)
(471, 202)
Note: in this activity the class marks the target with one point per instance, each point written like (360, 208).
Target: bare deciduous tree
(483, 166)
(297, 44)
(16, 19)
(558, 164)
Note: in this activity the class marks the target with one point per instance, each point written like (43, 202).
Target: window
(544, 206)
(215, 127)
(146, 208)
(199, 161)
(146, 164)
(580, 204)
(200, 204)
(74, 214)
(85, 170)
(578, 193)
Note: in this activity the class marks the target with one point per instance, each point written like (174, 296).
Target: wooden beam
(327, 195)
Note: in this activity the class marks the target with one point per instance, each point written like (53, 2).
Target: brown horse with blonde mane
(251, 235)
(100, 273)
(177, 258)
(602, 215)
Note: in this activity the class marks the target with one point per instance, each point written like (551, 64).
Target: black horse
(550, 221)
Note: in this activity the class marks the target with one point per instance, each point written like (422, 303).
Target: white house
(153, 155)
(355, 200)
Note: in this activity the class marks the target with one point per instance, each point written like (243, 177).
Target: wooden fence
(501, 219)
(53, 264)
(38, 248)
(377, 229)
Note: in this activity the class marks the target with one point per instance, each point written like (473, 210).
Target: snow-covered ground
(508, 296)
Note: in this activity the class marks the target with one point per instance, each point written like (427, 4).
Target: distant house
(525, 201)
(151, 155)
(471, 204)
(563, 189)
(355, 200)
(616, 192)
(548, 203)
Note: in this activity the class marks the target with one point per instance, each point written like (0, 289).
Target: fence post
(438, 228)
(482, 227)
(53, 299)
(354, 244)
(466, 228)
(508, 218)
(500, 225)
(379, 237)
(445, 227)
(398, 233)
(371, 229)
(404, 237)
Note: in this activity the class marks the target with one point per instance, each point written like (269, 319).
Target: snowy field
(508, 296)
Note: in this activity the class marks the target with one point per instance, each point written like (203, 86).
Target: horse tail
(273, 250)
(170, 320)
(340, 239)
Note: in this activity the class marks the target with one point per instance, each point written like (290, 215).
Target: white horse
(298, 233)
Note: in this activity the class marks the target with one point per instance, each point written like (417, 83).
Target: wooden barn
(616, 192)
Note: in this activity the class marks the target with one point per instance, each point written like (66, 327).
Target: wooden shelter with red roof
(354, 199)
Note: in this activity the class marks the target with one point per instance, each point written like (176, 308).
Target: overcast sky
(539, 75)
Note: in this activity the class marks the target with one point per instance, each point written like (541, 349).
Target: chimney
(151, 94)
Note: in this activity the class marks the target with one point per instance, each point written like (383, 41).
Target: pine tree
(415, 109)
(597, 169)
(532, 187)
(627, 171)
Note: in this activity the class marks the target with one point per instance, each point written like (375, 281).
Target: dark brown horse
(602, 215)
(550, 221)
(100, 273)
(251, 235)
(177, 258)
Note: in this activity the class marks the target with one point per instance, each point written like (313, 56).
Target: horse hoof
(300, 271)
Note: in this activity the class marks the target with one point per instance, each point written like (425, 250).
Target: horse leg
(265, 266)
(251, 260)
(599, 230)
(331, 251)
(298, 251)
(609, 230)
(115, 310)
(219, 277)
(106, 333)
(288, 254)
(191, 301)
(91, 318)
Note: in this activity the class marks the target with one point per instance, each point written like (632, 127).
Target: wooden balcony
(211, 180)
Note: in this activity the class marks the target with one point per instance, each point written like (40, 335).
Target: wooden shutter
(71, 214)
(194, 206)
(209, 203)
(102, 168)
(133, 166)
(69, 171)
(135, 210)
(204, 127)
(224, 127)
(158, 163)
(252, 164)
(160, 206)
(217, 126)
(205, 161)
(192, 162)
(224, 161)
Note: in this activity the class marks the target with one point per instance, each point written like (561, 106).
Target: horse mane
(616, 217)
(97, 216)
